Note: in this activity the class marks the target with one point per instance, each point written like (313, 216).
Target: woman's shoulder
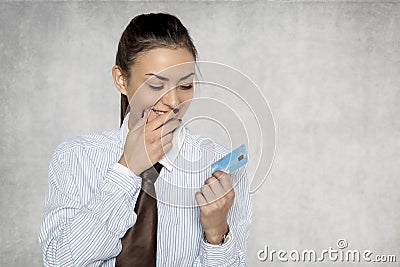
(101, 140)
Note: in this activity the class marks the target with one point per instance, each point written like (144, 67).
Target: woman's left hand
(215, 199)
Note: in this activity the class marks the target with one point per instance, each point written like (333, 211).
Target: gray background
(330, 71)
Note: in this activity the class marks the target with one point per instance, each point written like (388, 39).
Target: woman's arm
(75, 233)
(231, 253)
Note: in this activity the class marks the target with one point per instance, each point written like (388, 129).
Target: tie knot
(158, 166)
(151, 174)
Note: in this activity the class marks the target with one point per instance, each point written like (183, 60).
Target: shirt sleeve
(76, 234)
(231, 253)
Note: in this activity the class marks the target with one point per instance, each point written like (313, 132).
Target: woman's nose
(171, 98)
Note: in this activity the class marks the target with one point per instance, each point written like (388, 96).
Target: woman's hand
(147, 142)
(215, 200)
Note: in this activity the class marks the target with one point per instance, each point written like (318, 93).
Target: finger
(158, 121)
(167, 139)
(160, 134)
(200, 199)
(207, 193)
(132, 125)
(224, 179)
(157, 135)
(216, 187)
(210, 180)
(170, 126)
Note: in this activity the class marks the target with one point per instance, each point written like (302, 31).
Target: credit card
(231, 161)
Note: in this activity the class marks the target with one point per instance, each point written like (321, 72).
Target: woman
(94, 213)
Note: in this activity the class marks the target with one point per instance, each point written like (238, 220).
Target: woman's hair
(146, 32)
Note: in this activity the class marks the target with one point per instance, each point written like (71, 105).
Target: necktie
(139, 245)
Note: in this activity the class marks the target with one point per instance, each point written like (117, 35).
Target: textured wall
(330, 72)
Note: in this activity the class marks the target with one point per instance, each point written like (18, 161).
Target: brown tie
(139, 245)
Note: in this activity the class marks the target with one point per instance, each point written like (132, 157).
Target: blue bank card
(232, 161)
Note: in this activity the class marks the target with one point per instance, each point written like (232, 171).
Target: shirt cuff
(124, 178)
(217, 255)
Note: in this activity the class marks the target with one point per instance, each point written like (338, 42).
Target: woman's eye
(155, 87)
(187, 86)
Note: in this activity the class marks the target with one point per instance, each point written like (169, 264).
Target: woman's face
(161, 81)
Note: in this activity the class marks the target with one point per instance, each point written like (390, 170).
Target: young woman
(94, 213)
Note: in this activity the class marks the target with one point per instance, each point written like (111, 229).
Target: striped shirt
(91, 199)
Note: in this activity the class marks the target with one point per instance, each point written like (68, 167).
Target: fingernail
(176, 110)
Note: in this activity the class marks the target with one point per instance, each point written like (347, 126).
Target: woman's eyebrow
(166, 79)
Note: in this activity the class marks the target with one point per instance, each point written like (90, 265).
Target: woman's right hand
(148, 141)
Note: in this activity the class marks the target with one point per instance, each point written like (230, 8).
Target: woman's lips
(160, 112)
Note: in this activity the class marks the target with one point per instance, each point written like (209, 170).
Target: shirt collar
(177, 141)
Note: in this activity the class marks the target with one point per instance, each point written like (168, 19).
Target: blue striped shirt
(91, 199)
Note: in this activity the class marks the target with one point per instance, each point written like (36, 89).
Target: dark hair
(146, 32)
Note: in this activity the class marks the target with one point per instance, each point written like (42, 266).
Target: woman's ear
(119, 80)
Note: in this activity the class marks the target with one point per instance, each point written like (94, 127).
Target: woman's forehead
(168, 63)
